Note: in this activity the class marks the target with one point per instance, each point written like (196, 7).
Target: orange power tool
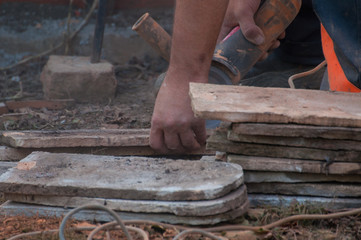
(234, 56)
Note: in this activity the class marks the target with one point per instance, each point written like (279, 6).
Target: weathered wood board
(318, 143)
(15, 209)
(294, 130)
(220, 205)
(292, 165)
(219, 142)
(307, 189)
(121, 177)
(291, 177)
(275, 105)
(262, 200)
(76, 138)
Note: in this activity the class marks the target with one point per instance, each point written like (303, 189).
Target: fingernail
(259, 39)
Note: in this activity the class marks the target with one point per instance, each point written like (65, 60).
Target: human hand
(241, 13)
(174, 129)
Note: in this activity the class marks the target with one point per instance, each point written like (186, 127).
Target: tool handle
(236, 55)
(154, 34)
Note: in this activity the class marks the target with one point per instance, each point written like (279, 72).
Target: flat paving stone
(180, 208)
(136, 178)
(277, 200)
(14, 209)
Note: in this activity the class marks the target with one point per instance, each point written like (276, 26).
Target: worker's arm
(196, 28)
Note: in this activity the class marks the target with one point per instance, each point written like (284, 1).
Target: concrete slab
(76, 78)
(13, 209)
(264, 200)
(224, 204)
(121, 177)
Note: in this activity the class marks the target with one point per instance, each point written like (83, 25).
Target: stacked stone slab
(290, 143)
(174, 191)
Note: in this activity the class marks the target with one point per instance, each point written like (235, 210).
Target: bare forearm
(196, 27)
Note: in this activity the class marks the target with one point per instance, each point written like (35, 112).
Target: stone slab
(290, 177)
(76, 138)
(331, 190)
(16, 154)
(219, 142)
(294, 130)
(292, 165)
(275, 105)
(4, 166)
(75, 77)
(13, 154)
(121, 177)
(264, 200)
(220, 205)
(14, 209)
(319, 143)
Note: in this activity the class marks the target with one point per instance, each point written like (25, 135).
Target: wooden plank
(180, 208)
(121, 177)
(291, 177)
(307, 189)
(291, 165)
(219, 142)
(262, 200)
(76, 138)
(275, 105)
(319, 143)
(293, 130)
(15, 209)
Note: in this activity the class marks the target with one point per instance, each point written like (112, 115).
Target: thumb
(250, 30)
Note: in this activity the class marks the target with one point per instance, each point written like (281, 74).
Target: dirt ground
(131, 108)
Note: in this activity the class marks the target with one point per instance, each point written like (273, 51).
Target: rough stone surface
(219, 142)
(76, 138)
(13, 154)
(296, 166)
(275, 105)
(287, 177)
(75, 77)
(307, 189)
(121, 177)
(4, 166)
(294, 130)
(224, 204)
(14, 209)
(261, 200)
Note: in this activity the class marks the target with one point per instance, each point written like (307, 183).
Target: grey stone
(74, 77)
(121, 177)
(14, 209)
(262, 200)
(224, 204)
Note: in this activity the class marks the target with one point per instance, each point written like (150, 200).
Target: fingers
(250, 30)
(167, 141)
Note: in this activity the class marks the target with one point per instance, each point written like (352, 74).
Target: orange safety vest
(336, 76)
